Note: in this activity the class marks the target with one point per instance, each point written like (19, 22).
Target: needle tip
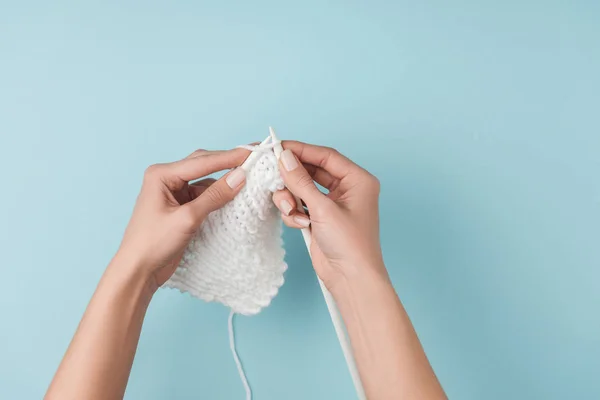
(272, 133)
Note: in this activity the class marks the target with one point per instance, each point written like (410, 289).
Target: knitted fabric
(237, 255)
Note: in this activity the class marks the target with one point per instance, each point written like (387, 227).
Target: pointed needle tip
(272, 133)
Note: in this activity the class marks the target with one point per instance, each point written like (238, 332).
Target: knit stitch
(237, 255)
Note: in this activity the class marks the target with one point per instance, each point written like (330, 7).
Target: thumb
(216, 195)
(298, 180)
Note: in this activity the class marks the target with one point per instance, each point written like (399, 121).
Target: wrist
(124, 269)
(357, 280)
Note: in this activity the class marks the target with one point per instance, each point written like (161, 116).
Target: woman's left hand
(169, 210)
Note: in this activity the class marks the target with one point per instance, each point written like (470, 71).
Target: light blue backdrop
(482, 120)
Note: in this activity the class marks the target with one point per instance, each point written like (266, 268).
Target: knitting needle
(253, 155)
(334, 313)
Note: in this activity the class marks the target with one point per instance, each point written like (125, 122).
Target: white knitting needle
(250, 160)
(334, 313)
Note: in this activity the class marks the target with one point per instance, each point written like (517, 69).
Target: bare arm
(167, 213)
(98, 361)
(346, 255)
(390, 358)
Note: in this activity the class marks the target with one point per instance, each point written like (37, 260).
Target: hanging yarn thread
(236, 358)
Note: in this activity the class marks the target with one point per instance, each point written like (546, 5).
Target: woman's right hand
(344, 222)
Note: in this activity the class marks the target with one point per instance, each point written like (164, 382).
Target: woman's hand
(169, 210)
(344, 222)
(346, 254)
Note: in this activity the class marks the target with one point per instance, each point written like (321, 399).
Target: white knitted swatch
(237, 255)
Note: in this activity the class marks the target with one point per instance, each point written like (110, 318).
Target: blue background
(482, 120)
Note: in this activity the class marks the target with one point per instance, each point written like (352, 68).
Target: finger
(322, 177)
(286, 203)
(327, 158)
(197, 188)
(202, 152)
(298, 181)
(215, 196)
(197, 153)
(210, 162)
(189, 169)
(291, 214)
(296, 220)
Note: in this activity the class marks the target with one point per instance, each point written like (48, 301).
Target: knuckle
(334, 152)
(304, 181)
(330, 154)
(374, 183)
(197, 153)
(215, 195)
(152, 171)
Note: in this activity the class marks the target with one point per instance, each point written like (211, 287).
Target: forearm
(389, 356)
(98, 361)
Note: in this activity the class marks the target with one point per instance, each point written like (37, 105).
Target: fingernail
(286, 207)
(235, 178)
(302, 221)
(289, 160)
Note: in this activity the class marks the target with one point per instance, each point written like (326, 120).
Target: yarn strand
(264, 147)
(236, 358)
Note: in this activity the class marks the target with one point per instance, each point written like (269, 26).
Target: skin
(346, 255)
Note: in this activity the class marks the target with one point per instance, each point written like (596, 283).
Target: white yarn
(236, 358)
(237, 255)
